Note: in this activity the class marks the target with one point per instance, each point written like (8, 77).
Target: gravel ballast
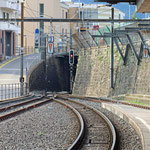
(51, 126)
(127, 137)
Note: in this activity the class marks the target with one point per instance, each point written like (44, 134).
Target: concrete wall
(36, 77)
(93, 74)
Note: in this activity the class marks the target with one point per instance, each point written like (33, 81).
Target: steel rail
(109, 100)
(20, 104)
(15, 99)
(72, 20)
(110, 125)
(78, 140)
(12, 114)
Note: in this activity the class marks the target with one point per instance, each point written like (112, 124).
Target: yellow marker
(11, 61)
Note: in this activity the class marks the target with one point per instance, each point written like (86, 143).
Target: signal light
(22, 79)
(71, 57)
(145, 51)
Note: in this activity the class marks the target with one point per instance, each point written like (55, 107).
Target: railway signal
(71, 57)
(145, 51)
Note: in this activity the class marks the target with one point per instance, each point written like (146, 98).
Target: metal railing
(27, 50)
(9, 91)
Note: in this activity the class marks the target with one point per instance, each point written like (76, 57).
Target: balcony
(9, 4)
(10, 27)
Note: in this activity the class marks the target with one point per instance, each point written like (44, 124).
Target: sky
(124, 7)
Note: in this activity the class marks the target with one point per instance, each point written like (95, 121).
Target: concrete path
(137, 117)
(10, 71)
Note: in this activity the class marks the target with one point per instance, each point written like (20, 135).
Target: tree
(134, 15)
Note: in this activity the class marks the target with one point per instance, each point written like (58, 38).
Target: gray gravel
(45, 128)
(128, 139)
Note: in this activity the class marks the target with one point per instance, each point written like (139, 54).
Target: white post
(79, 15)
(129, 12)
(86, 18)
(37, 12)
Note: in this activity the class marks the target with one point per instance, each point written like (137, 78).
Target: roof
(117, 1)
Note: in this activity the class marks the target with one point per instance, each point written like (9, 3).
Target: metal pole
(71, 78)
(82, 12)
(62, 39)
(66, 41)
(70, 38)
(71, 66)
(86, 18)
(37, 13)
(22, 45)
(45, 63)
(112, 50)
(79, 15)
(51, 29)
(129, 11)
(41, 30)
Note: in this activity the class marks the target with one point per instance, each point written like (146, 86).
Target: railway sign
(37, 38)
(51, 45)
(145, 52)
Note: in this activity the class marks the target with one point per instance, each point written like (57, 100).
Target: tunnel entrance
(58, 75)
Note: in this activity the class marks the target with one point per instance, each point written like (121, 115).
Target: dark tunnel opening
(58, 75)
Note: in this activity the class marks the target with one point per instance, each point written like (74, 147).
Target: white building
(9, 30)
(96, 11)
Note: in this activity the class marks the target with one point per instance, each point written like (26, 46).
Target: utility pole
(22, 46)
(112, 49)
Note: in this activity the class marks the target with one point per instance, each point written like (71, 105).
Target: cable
(30, 9)
(45, 15)
(35, 16)
(37, 11)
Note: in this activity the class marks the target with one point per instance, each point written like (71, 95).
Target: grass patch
(137, 102)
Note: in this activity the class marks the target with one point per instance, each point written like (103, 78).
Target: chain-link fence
(9, 91)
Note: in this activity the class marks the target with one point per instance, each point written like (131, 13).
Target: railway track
(108, 100)
(96, 131)
(19, 107)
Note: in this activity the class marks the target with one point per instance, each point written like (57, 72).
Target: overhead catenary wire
(32, 10)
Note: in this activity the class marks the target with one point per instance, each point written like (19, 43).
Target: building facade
(9, 31)
(91, 11)
(46, 9)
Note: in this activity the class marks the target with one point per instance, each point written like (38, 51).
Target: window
(66, 15)
(4, 15)
(41, 10)
(7, 15)
(63, 14)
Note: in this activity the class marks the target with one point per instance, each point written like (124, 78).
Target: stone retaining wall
(93, 74)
